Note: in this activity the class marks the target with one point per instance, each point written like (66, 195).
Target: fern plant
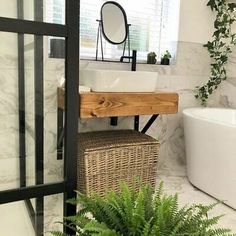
(141, 213)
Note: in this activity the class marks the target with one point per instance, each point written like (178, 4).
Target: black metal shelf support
(149, 123)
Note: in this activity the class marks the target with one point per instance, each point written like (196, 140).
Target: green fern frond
(58, 233)
(97, 228)
(142, 213)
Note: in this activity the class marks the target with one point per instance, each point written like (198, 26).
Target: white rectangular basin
(119, 81)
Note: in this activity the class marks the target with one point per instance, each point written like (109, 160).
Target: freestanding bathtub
(210, 140)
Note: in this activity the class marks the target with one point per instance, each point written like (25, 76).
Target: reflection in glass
(52, 10)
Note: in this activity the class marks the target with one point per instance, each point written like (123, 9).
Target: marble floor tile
(188, 194)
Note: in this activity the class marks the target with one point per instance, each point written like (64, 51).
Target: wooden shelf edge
(124, 104)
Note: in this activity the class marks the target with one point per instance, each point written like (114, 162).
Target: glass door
(39, 52)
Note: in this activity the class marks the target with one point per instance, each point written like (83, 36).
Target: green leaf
(231, 6)
(142, 213)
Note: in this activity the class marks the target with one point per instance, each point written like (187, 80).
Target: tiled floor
(188, 194)
(14, 220)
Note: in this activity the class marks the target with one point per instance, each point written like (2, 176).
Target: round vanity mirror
(114, 22)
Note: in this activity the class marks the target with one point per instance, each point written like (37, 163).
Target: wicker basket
(108, 157)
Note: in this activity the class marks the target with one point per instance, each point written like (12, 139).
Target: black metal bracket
(114, 121)
(136, 123)
(147, 126)
(149, 123)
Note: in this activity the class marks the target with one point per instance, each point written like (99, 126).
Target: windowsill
(126, 62)
(53, 60)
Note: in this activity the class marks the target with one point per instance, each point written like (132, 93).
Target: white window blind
(150, 23)
(55, 11)
(154, 24)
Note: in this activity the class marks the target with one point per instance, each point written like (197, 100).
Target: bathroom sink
(119, 81)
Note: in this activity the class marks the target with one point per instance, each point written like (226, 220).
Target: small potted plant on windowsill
(151, 58)
(165, 59)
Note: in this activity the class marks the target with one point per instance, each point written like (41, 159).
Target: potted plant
(140, 213)
(165, 59)
(151, 58)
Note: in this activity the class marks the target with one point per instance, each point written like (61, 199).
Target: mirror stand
(100, 37)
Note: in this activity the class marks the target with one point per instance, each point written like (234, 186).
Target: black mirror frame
(125, 19)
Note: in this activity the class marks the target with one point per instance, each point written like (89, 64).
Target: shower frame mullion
(32, 27)
(21, 95)
(71, 106)
(21, 105)
(39, 117)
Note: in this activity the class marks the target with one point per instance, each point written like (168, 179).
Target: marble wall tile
(98, 124)
(192, 59)
(9, 173)
(8, 91)
(9, 144)
(54, 64)
(29, 91)
(231, 70)
(8, 50)
(50, 96)
(224, 96)
(53, 213)
(9, 122)
(50, 133)
(53, 168)
(30, 170)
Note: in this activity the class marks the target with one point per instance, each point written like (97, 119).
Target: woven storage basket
(108, 157)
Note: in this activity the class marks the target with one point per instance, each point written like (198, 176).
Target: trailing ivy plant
(220, 47)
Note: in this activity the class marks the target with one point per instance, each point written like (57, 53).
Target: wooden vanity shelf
(98, 104)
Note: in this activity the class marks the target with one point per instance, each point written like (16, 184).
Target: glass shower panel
(53, 10)
(32, 67)
(15, 220)
(29, 91)
(9, 127)
(54, 77)
(43, 159)
(16, 214)
(13, 172)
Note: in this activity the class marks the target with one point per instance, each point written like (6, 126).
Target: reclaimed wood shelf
(99, 104)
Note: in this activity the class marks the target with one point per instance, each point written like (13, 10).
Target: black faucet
(133, 57)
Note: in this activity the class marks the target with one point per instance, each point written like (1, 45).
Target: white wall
(196, 21)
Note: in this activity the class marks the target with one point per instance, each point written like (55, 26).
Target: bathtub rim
(187, 112)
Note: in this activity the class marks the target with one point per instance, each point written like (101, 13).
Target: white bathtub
(210, 140)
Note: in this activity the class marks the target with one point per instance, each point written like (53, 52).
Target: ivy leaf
(217, 33)
(217, 24)
(212, 4)
(231, 6)
(220, 47)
